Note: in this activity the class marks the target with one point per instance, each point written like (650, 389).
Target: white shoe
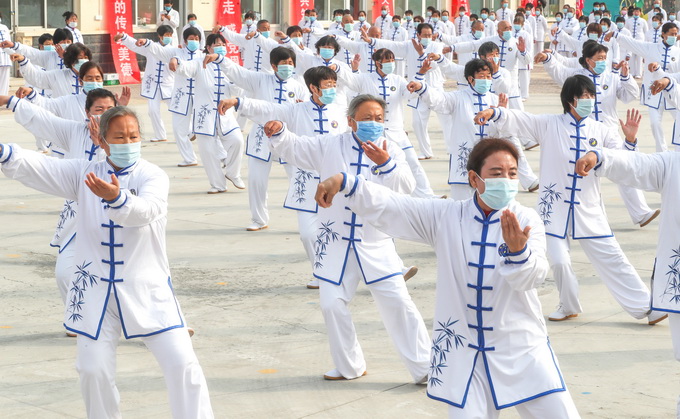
(534, 186)
(422, 380)
(237, 181)
(256, 227)
(561, 314)
(313, 284)
(334, 374)
(650, 217)
(409, 272)
(212, 191)
(158, 140)
(185, 164)
(655, 317)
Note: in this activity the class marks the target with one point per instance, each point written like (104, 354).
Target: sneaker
(193, 138)
(561, 314)
(256, 227)
(424, 157)
(185, 164)
(531, 146)
(157, 140)
(655, 317)
(422, 380)
(237, 181)
(190, 331)
(534, 186)
(212, 191)
(313, 284)
(71, 334)
(409, 272)
(334, 375)
(650, 217)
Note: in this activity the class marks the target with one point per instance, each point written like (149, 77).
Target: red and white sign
(377, 6)
(119, 19)
(229, 15)
(297, 11)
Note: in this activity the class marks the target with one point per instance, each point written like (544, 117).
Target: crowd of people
(328, 105)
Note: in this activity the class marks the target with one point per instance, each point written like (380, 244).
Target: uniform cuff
(349, 184)
(518, 258)
(12, 103)
(118, 202)
(385, 168)
(6, 153)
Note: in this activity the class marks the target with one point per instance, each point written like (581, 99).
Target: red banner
(377, 6)
(119, 19)
(229, 15)
(297, 10)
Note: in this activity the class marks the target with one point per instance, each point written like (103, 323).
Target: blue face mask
(507, 35)
(482, 86)
(81, 61)
(605, 28)
(326, 53)
(383, 12)
(362, 19)
(312, 18)
(409, 18)
(327, 95)
(91, 85)
(479, 34)
(655, 24)
(582, 25)
(49, 48)
(671, 40)
(517, 27)
(499, 192)
(250, 21)
(558, 19)
(425, 41)
(619, 25)
(265, 34)
(369, 130)
(593, 36)
(349, 27)
(221, 50)
(396, 24)
(584, 107)
(435, 19)
(600, 66)
(167, 40)
(671, 17)
(168, 8)
(192, 23)
(388, 68)
(484, 16)
(285, 71)
(193, 45)
(570, 15)
(504, 5)
(297, 40)
(125, 155)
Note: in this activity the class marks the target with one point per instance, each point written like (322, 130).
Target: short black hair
(163, 29)
(382, 54)
(422, 26)
(190, 31)
(668, 26)
(250, 15)
(487, 48)
(338, 12)
(87, 67)
(68, 15)
(484, 9)
(327, 41)
(212, 38)
(44, 37)
(485, 148)
(574, 87)
(279, 54)
(292, 29)
(623, 19)
(475, 65)
(605, 21)
(61, 34)
(315, 75)
(594, 27)
(474, 17)
(192, 15)
(590, 48)
(73, 52)
(95, 94)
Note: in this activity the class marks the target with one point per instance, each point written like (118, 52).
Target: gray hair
(112, 113)
(361, 99)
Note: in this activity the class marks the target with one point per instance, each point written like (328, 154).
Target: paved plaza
(260, 336)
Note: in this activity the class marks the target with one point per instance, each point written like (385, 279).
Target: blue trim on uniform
(9, 155)
(62, 248)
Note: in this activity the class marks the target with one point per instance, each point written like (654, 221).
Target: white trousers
(610, 263)
(526, 174)
(460, 192)
(4, 80)
(423, 188)
(157, 124)
(181, 126)
(258, 182)
(184, 379)
(674, 325)
(218, 149)
(307, 224)
(479, 403)
(635, 203)
(635, 65)
(420, 117)
(655, 119)
(64, 269)
(524, 81)
(399, 314)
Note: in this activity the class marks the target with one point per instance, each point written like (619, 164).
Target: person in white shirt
(312, 30)
(637, 27)
(336, 25)
(530, 19)
(489, 24)
(170, 17)
(409, 24)
(524, 70)
(483, 297)
(449, 26)
(71, 19)
(122, 284)
(193, 23)
(362, 23)
(505, 12)
(250, 22)
(541, 30)
(349, 251)
(5, 62)
(653, 35)
(656, 5)
(462, 22)
(384, 21)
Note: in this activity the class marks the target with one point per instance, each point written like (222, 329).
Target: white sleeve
(41, 123)
(637, 170)
(510, 122)
(148, 205)
(304, 152)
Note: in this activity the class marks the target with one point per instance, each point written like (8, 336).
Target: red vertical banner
(229, 15)
(297, 10)
(377, 6)
(119, 19)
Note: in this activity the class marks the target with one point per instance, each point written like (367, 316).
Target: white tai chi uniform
(303, 118)
(316, 31)
(75, 32)
(270, 88)
(347, 251)
(461, 25)
(576, 45)
(384, 23)
(122, 278)
(365, 50)
(5, 62)
(434, 79)
(485, 295)
(668, 58)
(541, 31)
(74, 139)
(637, 28)
(219, 137)
(571, 206)
(660, 173)
(173, 22)
(398, 35)
(182, 102)
(392, 89)
(61, 82)
(524, 70)
(506, 14)
(609, 87)
(157, 84)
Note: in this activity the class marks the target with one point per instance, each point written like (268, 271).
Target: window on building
(42, 13)
(325, 8)
(266, 9)
(145, 12)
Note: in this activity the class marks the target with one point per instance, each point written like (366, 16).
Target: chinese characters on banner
(298, 8)
(119, 19)
(377, 6)
(229, 15)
